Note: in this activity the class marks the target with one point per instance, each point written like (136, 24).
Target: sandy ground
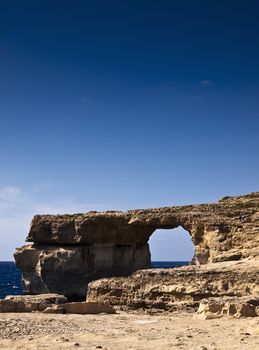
(126, 331)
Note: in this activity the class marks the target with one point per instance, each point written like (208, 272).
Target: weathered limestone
(81, 308)
(52, 303)
(88, 308)
(29, 303)
(228, 306)
(68, 269)
(69, 251)
(221, 231)
(181, 288)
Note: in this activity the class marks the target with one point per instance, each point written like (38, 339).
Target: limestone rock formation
(51, 303)
(69, 251)
(179, 288)
(88, 308)
(29, 303)
(68, 269)
(80, 308)
(228, 306)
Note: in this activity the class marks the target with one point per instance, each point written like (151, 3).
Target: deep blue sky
(125, 104)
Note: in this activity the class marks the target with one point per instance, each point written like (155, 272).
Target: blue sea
(11, 278)
(168, 264)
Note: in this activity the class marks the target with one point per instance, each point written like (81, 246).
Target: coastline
(212, 304)
(11, 277)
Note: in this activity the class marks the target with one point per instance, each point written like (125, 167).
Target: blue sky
(125, 104)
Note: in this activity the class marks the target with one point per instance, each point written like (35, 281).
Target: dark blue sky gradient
(125, 104)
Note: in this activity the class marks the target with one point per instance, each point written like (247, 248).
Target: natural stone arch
(102, 244)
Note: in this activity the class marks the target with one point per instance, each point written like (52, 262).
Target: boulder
(81, 308)
(88, 308)
(228, 306)
(29, 303)
(54, 309)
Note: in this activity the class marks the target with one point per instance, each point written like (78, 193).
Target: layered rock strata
(68, 269)
(51, 303)
(179, 288)
(69, 251)
(228, 306)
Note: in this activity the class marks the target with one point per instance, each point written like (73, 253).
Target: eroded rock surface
(29, 303)
(80, 308)
(68, 269)
(177, 289)
(88, 308)
(69, 251)
(228, 307)
(227, 230)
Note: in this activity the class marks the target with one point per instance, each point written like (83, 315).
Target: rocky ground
(126, 331)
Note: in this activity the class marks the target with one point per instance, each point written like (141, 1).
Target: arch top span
(215, 228)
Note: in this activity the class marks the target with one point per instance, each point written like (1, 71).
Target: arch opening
(171, 247)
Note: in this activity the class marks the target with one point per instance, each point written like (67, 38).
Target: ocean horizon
(11, 278)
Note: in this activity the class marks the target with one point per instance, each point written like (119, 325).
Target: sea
(11, 278)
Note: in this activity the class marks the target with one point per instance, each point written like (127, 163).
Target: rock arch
(69, 251)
